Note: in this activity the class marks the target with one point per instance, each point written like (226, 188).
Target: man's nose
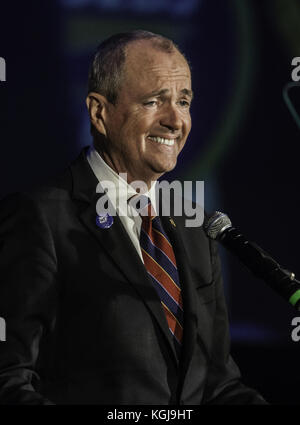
(171, 118)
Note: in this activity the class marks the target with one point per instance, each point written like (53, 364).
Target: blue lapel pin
(104, 221)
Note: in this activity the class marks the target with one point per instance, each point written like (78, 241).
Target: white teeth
(162, 141)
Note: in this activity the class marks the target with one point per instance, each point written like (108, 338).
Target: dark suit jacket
(85, 325)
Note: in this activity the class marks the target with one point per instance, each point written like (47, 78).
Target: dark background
(244, 141)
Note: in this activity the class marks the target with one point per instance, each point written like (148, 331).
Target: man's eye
(184, 103)
(151, 103)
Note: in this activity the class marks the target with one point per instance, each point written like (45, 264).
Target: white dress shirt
(119, 198)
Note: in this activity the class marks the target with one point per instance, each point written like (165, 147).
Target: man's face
(149, 125)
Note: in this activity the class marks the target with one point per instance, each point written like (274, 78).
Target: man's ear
(97, 107)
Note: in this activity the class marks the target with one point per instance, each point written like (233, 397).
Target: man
(86, 317)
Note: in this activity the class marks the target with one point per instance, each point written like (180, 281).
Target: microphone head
(216, 224)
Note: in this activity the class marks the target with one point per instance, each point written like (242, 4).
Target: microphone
(218, 227)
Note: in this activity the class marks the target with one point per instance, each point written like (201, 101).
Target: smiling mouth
(162, 140)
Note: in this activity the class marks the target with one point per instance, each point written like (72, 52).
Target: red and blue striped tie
(160, 262)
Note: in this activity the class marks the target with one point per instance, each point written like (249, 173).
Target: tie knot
(142, 204)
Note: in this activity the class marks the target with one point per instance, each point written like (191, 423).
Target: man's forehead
(143, 54)
(166, 92)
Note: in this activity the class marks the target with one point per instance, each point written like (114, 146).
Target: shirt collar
(124, 191)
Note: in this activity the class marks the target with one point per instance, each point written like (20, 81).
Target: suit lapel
(117, 244)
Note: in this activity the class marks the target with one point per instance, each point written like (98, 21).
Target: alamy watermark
(2, 329)
(173, 198)
(2, 78)
(295, 75)
(2, 69)
(295, 334)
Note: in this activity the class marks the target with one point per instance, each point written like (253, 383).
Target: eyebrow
(186, 92)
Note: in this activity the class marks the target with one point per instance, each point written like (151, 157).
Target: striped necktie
(160, 262)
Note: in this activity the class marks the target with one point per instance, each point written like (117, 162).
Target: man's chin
(164, 168)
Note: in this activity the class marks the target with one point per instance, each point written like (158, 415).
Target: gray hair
(106, 70)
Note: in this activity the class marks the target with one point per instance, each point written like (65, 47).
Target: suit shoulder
(38, 199)
(56, 188)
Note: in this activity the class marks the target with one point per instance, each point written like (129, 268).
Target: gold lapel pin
(172, 222)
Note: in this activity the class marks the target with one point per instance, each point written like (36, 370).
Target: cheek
(188, 123)
(138, 126)
(133, 133)
(187, 129)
